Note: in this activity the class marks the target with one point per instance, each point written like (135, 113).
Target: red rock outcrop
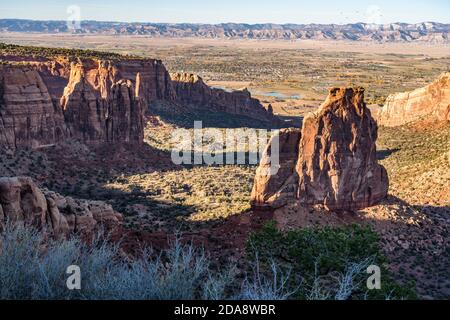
(336, 161)
(46, 100)
(28, 118)
(22, 201)
(192, 90)
(98, 109)
(337, 164)
(275, 180)
(96, 101)
(431, 103)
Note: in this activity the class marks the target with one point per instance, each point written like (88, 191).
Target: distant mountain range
(394, 32)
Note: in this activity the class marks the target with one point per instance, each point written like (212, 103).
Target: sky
(240, 11)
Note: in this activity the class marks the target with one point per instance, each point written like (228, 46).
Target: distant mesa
(431, 103)
(331, 162)
(395, 32)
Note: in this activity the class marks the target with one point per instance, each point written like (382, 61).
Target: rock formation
(99, 109)
(46, 100)
(274, 182)
(28, 116)
(192, 90)
(431, 103)
(336, 163)
(22, 201)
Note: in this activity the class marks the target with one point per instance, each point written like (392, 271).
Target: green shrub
(327, 262)
(12, 49)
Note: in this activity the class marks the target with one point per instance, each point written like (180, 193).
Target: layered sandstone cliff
(28, 117)
(22, 201)
(98, 108)
(193, 91)
(431, 103)
(336, 163)
(46, 100)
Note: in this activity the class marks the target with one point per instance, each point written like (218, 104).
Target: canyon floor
(211, 203)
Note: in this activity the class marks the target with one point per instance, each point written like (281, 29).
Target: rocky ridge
(393, 32)
(193, 91)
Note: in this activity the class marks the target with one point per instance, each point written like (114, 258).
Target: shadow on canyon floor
(384, 154)
(183, 117)
(409, 235)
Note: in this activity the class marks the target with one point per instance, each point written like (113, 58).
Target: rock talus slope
(335, 161)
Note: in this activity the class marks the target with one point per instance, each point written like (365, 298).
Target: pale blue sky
(249, 11)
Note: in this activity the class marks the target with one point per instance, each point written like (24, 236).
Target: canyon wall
(192, 91)
(431, 103)
(46, 100)
(431, 32)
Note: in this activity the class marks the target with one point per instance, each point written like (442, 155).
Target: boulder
(22, 201)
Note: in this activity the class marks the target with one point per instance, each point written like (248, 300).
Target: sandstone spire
(336, 163)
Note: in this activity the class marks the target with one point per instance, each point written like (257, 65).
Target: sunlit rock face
(96, 101)
(431, 103)
(44, 101)
(335, 159)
